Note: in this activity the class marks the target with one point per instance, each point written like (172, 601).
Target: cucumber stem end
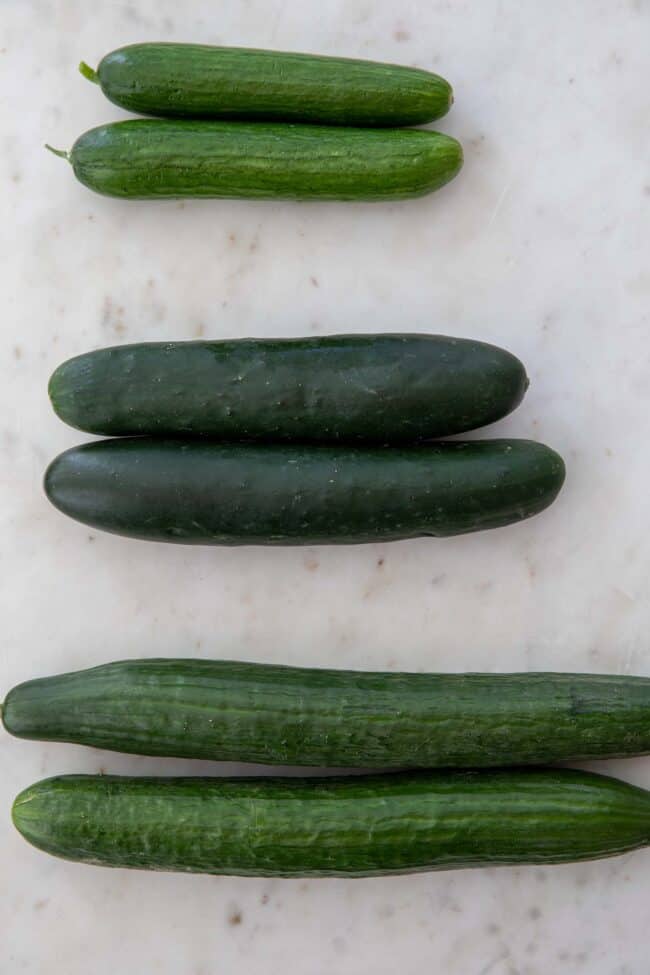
(88, 72)
(58, 152)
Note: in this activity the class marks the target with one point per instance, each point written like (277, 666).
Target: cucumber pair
(296, 441)
(354, 826)
(228, 127)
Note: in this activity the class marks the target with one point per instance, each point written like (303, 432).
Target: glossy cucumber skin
(202, 492)
(246, 712)
(156, 159)
(354, 827)
(387, 388)
(198, 81)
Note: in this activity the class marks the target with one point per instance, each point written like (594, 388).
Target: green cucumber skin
(157, 159)
(198, 81)
(202, 492)
(387, 388)
(355, 827)
(246, 712)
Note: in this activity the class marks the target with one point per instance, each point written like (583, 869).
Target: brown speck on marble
(380, 563)
(18, 352)
(477, 143)
(151, 282)
(401, 35)
(181, 205)
(314, 281)
(609, 452)
(16, 177)
(254, 244)
(107, 309)
(199, 330)
(571, 80)
(303, 886)
(91, 538)
(42, 903)
(493, 928)
(235, 917)
(534, 913)
(232, 237)
(119, 328)
(439, 579)
(264, 899)
(385, 911)
(546, 324)
(90, 216)
(101, 770)
(314, 326)
(311, 565)
(224, 304)
(646, 189)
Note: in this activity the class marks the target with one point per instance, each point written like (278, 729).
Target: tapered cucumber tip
(58, 152)
(88, 72)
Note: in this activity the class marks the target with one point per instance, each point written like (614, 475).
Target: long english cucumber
(246, 712)
(353, 827)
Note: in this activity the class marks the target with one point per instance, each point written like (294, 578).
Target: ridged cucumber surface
(199, 81)
(386, 388)
(157, 159)
(354, 827)
(202, 492)
(246, 712)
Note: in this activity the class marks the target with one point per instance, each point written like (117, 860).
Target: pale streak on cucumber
(88, 72)
(59, 152)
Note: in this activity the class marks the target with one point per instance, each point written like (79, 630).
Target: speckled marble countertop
(541, 245)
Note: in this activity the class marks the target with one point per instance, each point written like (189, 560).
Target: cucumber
(354, 827)
(338, 388)
(245, 712)
(202, 492)
(198, 81)
(154, 159)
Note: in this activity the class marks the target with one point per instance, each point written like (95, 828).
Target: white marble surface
(540, 245)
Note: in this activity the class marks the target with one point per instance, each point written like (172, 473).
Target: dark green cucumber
(244, 712)
(202, 492)
(354, 827)
(198, 81)
(338, 388)
(147, 159)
